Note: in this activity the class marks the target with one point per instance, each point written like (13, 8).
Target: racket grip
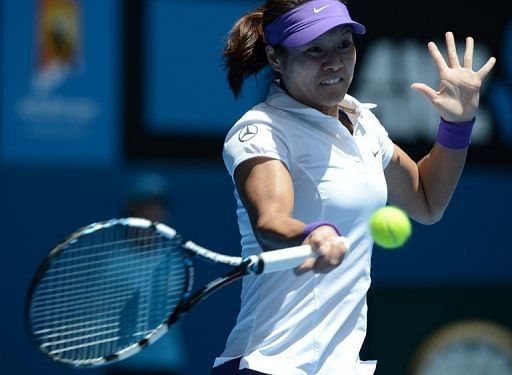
(285, 259)
(291, 257)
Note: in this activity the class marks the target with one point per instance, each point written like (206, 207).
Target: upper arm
(265, 187)
(257, 155)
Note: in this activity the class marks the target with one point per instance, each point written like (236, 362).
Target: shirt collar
(279, 98)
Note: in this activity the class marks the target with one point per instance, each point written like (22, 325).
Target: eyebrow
(347, 29)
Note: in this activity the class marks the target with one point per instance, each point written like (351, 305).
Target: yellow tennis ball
(390, 227)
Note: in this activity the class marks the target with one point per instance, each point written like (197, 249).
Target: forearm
(275, 231)
(424, 189)
(439, 173)
(456, 100)
(266, 190)
(280, 231)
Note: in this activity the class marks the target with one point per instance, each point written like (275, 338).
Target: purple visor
(308, 21)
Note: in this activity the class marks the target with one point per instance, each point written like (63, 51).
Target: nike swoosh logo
(319, 9)
(375, 153)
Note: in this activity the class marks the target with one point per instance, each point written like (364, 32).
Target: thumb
(427, 91)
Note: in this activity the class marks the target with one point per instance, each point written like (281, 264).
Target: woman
(312, 163)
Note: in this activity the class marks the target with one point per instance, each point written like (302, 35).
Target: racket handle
(285, 259)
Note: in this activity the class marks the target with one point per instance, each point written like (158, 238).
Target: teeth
(331, 81)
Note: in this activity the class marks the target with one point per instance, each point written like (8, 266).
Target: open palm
(457, 97)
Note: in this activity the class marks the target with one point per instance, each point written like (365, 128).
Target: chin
(333, 100)
(336, 94)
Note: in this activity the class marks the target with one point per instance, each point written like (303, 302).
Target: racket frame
(186, 302)
(254, 264)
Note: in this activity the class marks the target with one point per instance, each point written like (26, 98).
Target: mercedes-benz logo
(247, 133)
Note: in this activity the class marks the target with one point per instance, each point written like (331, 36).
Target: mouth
(331, 82)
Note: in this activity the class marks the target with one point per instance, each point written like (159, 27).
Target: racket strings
(115, 270)
(114, 242)
(80, 302)
(107, 253)
(106, 291)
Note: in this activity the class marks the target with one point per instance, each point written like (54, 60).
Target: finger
(333, 258)
(427, 91)
(437, 56)
(323, 265)
(324, 249)
(342, 242)
(485, 70)
(328, 262)
(451, 50)
(305, 267)
(468, 54)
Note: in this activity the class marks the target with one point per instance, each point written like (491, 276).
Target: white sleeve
(247, 140)
(387, 147)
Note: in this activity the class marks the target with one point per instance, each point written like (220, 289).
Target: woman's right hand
(329, 246)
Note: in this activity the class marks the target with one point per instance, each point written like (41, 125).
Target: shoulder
(261, 116)
(259, 132)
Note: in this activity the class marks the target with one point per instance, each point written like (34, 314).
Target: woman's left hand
(457, 97)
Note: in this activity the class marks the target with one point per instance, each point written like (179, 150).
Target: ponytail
(245, 49)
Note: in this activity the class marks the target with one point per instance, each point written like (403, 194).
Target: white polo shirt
(314, 323)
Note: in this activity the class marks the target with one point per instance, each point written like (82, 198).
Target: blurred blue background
(95, 94)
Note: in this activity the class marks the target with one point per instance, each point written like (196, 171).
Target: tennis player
(311, 163)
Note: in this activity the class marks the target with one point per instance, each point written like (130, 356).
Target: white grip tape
(291, 257)
(285, 259)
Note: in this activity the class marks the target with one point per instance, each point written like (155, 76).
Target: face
(319, 73)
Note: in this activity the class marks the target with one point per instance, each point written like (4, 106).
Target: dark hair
(245, 47)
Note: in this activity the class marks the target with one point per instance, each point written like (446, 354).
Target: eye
(345, 44)
(314, 49)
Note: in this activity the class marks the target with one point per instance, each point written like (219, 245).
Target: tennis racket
(113, 287)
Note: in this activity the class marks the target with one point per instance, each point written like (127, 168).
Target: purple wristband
(455, 135)
(312, 226)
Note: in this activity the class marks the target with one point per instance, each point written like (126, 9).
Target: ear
(273, 60)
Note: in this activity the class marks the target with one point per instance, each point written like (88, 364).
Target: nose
(333, 61)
